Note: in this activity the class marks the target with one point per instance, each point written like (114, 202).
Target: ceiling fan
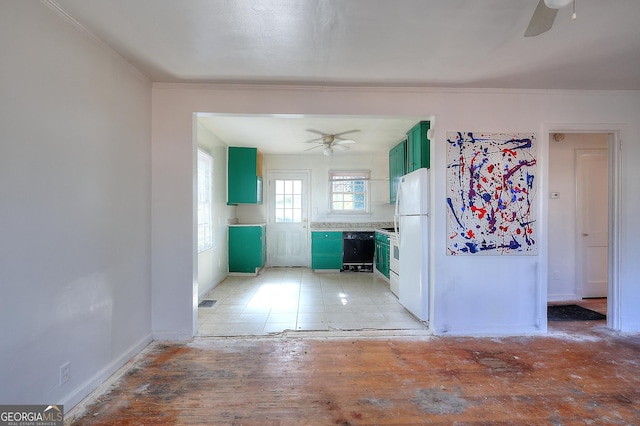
(329, 141)
(545, 14)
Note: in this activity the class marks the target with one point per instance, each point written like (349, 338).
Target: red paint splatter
(470, 234)
(490, 168)
(481, 211)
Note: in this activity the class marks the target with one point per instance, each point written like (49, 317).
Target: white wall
(213, 264)
(471, 295)
(319, 166)
(75, 246)
(562, 278)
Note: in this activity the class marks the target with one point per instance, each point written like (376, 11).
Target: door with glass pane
(287, 233)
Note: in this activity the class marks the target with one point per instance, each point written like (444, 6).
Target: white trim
(561, 297)
(91, 384)
(170, 335)
(614, 320)
(341, 88)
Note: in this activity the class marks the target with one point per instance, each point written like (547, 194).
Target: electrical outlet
(64, 373)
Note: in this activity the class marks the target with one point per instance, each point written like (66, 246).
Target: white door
(287, 233)
(592, 220)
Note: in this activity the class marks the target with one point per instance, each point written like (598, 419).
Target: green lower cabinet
(382, 254)
(247, 248)
(326, 250)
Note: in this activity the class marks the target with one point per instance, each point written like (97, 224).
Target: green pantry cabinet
(244, 176)
(382, 250)
(409, 155)
(326, 250)
(247, 248)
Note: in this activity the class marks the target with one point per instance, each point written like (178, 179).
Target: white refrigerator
(412, 219)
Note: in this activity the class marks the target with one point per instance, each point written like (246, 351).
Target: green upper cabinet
(418, 147)
(244, 176)
(397, 168)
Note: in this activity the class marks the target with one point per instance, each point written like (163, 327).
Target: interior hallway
(297, 299)
(581, 373)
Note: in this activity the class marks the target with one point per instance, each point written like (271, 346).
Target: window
(349, 192)
(288, 201)
(205, 197)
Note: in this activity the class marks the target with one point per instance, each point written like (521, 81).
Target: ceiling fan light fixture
(327, 151)
(557, 4)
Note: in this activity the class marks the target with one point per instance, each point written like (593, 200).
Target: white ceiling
(288, 134)
(426, 43)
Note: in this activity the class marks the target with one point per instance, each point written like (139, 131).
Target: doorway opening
(582, 220)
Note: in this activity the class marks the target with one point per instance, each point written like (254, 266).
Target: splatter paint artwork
(491, 188)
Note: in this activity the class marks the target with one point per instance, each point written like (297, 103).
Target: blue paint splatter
(454, 212)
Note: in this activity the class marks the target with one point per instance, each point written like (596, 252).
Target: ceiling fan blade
(344, 133)
(316, 140)
(317, 132)
(340, 140)
(340, 147)
(541, 21)
(314, 147)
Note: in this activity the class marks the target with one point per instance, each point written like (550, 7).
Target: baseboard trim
(84, 390)
(562, 297)
(172, 335)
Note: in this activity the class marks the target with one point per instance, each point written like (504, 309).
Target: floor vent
(207, 303)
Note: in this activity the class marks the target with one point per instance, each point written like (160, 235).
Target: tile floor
(280, 299)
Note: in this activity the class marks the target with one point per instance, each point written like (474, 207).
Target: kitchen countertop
(349, 226)
(384, 231)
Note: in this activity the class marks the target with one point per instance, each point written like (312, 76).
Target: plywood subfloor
(565, 378)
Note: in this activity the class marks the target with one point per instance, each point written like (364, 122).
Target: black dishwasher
(358, 249)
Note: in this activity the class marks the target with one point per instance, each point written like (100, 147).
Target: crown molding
(328, 88)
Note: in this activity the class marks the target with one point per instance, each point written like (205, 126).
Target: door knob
(585, 235)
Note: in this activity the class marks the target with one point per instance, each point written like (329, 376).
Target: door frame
(614, 132)
(307, 206)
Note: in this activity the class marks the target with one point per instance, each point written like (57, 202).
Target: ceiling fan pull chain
(574, 16)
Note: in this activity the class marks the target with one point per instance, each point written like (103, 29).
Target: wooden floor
(581, 373)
